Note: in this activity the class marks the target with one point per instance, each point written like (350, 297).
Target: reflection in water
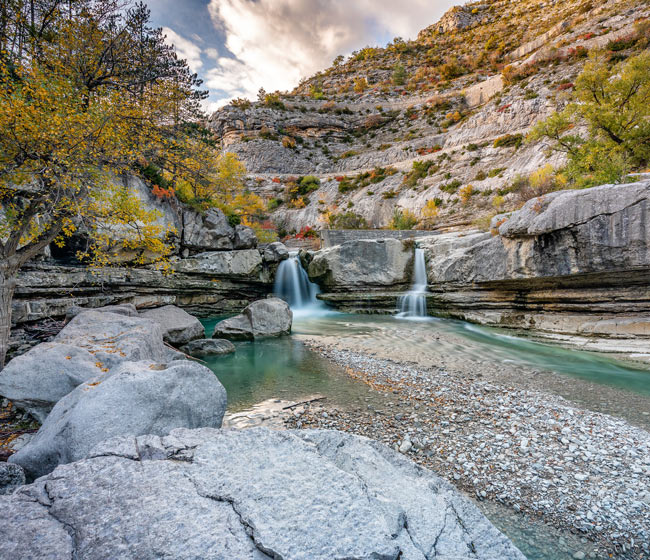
(281, 368)
(481, 344)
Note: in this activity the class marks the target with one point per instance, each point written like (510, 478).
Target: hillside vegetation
(496, 103)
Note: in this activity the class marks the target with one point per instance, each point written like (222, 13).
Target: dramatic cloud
(275, 43)
(185, 48)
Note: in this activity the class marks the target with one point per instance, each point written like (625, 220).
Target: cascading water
(293, 286)
(413, 304)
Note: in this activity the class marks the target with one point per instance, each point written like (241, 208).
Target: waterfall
(414, 303)
(293, 286)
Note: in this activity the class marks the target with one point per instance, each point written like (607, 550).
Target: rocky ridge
(468, 129)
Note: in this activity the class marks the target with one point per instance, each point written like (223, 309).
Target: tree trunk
(7, 287)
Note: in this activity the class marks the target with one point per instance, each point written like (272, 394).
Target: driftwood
(308, 401)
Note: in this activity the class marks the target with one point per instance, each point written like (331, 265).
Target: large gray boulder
(566, 233)
(207, 232)
(245, 238)
(133, 399)
(275, 252)
(383, 263)
(246, 494)
(114, 338)
(90, 345)
(261, 319)
(11, 477)
(178, 326)
(208, 347)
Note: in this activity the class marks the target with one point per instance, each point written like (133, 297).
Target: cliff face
(455, 113)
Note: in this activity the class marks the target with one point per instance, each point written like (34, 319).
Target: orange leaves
(163, 194)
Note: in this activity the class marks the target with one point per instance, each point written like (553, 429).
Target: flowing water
(293, 286)
(285, 368)
(413, 304)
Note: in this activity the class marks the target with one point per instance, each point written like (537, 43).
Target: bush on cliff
(613, 103)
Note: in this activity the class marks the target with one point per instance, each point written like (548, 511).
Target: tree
(399, 75)
(88, 92)
(612, 104)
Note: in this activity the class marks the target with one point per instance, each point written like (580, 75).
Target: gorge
(401, 311)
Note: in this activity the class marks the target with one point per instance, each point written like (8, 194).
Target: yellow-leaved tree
(88, 91)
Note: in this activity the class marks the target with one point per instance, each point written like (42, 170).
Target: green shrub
(274, 203)
(403, 219)
(420, 170)
(399, 75)
(450, 187)
(347, 220)
(509, 141)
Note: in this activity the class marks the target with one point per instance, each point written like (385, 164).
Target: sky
(239, 46)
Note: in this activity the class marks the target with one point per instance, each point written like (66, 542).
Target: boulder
(246, 494)
(91, 344)
(245, 238)
(263, 318)
(207, 232)
(114, 338)
(135, 398)
(234, 328)
(38, 379)
(178, 326)
(208, 347)
(11, 477)
(382, 263)
(565, 233)
(275, 252)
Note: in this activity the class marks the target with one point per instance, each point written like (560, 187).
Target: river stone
(135, 398)
(263, 318)
(246, 494)
(234, 328)
(178, 326)
(207, 232)
(275, 252)
(362, 264)
(11, 477)
(245, 237)
(208, 347)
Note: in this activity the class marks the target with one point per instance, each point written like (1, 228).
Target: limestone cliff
(459, 113)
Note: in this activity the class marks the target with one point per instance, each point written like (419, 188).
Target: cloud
(185, 48)
(275, 43)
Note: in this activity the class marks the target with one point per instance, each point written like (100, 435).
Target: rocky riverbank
(533, 452)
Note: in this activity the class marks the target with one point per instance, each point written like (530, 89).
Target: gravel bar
(577, 470)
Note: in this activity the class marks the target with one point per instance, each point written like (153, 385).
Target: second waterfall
(413, 304)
